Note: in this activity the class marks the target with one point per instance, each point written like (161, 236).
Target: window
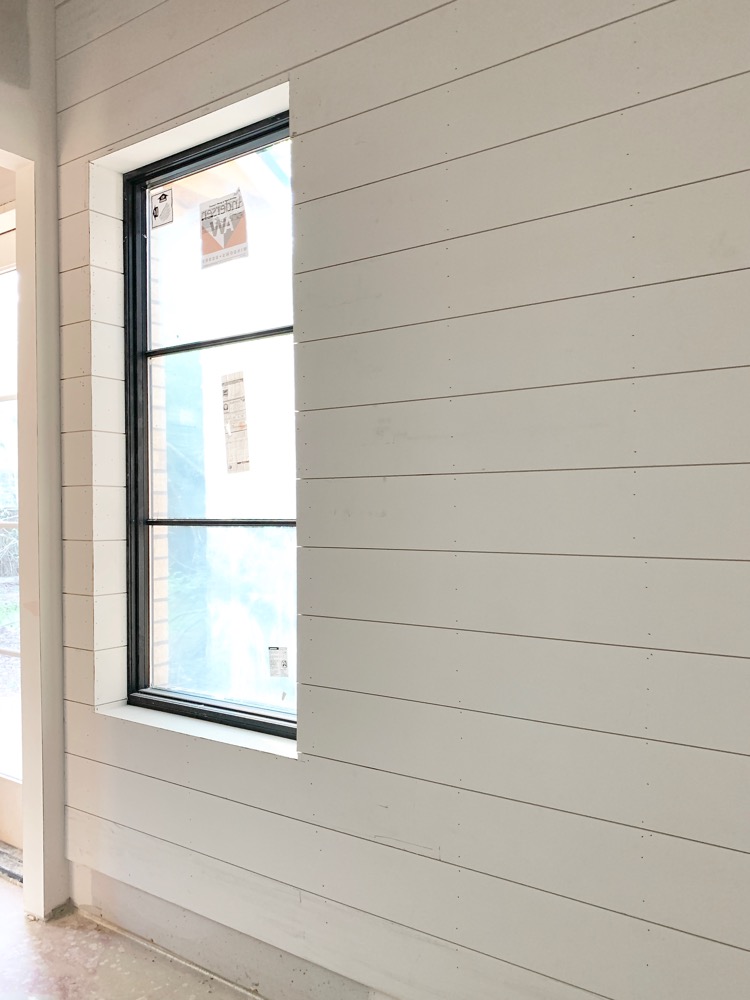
(211, 462)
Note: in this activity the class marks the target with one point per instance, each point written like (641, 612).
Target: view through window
(213, 483)
(10, 638)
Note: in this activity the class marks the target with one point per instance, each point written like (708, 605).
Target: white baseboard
(271, 973)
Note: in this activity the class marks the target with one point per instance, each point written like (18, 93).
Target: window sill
(202, 730)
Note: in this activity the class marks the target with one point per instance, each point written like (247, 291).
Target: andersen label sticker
(223, 229)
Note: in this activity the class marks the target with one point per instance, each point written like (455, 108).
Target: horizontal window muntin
(244, 550)
(267, 490)
(237, 338)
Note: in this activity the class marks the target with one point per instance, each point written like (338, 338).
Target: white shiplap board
(407, 963)
(680, 884)
(91, 293)
(543, 848)
(79, 22)
(148, 40)
(462, 38)
(648, 240)
(692, 605)
(605, 688)
(598, 73)
(221, 67)
(681, 140)
(457, 905)
(565, 853)
(687, 792)
(88, 235)
(623, 423)
(621, 512)
(673, 327)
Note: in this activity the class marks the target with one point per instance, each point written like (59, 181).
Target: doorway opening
(11, 828)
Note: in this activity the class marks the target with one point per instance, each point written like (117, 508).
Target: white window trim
(105, 197)
(250, 739)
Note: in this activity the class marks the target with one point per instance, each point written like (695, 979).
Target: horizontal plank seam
(380, 31)
(79, 593)
(105, 649)
(95, 430)
(176, 55)
(515, 472)
(109, 31)
(523, 635)
(92, 375)
(99, 267)
(116, 327)
(420, 779)
(91, 211)
(526, 802)
(440, 861)
(408, 777)
(524, 718)
(485, 69)
(301, 200)
(226, 99)
(90, 265)
(524, 305)
(645, 557)
(519, 388)
(88, 212)
(396, 923)
(524, 222)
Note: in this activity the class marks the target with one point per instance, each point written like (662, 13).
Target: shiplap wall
(522, 373)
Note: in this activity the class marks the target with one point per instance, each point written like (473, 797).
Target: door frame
(11, 806)
(46, 870)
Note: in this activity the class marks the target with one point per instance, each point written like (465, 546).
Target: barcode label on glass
(278, 661)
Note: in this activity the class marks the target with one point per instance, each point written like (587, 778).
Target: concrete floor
(75, 959)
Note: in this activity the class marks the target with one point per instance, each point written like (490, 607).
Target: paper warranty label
(235, 422)
(278, 661)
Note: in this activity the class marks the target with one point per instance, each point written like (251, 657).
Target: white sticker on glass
(161, 208)
(278, 661)
(235, 422)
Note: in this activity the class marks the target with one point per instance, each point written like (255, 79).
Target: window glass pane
(222, 431)
(10, 632)
(10, 664)
(223, 269)
(8, 458)
(8, 332)
(224, 614)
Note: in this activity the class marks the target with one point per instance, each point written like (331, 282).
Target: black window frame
(136, 185)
